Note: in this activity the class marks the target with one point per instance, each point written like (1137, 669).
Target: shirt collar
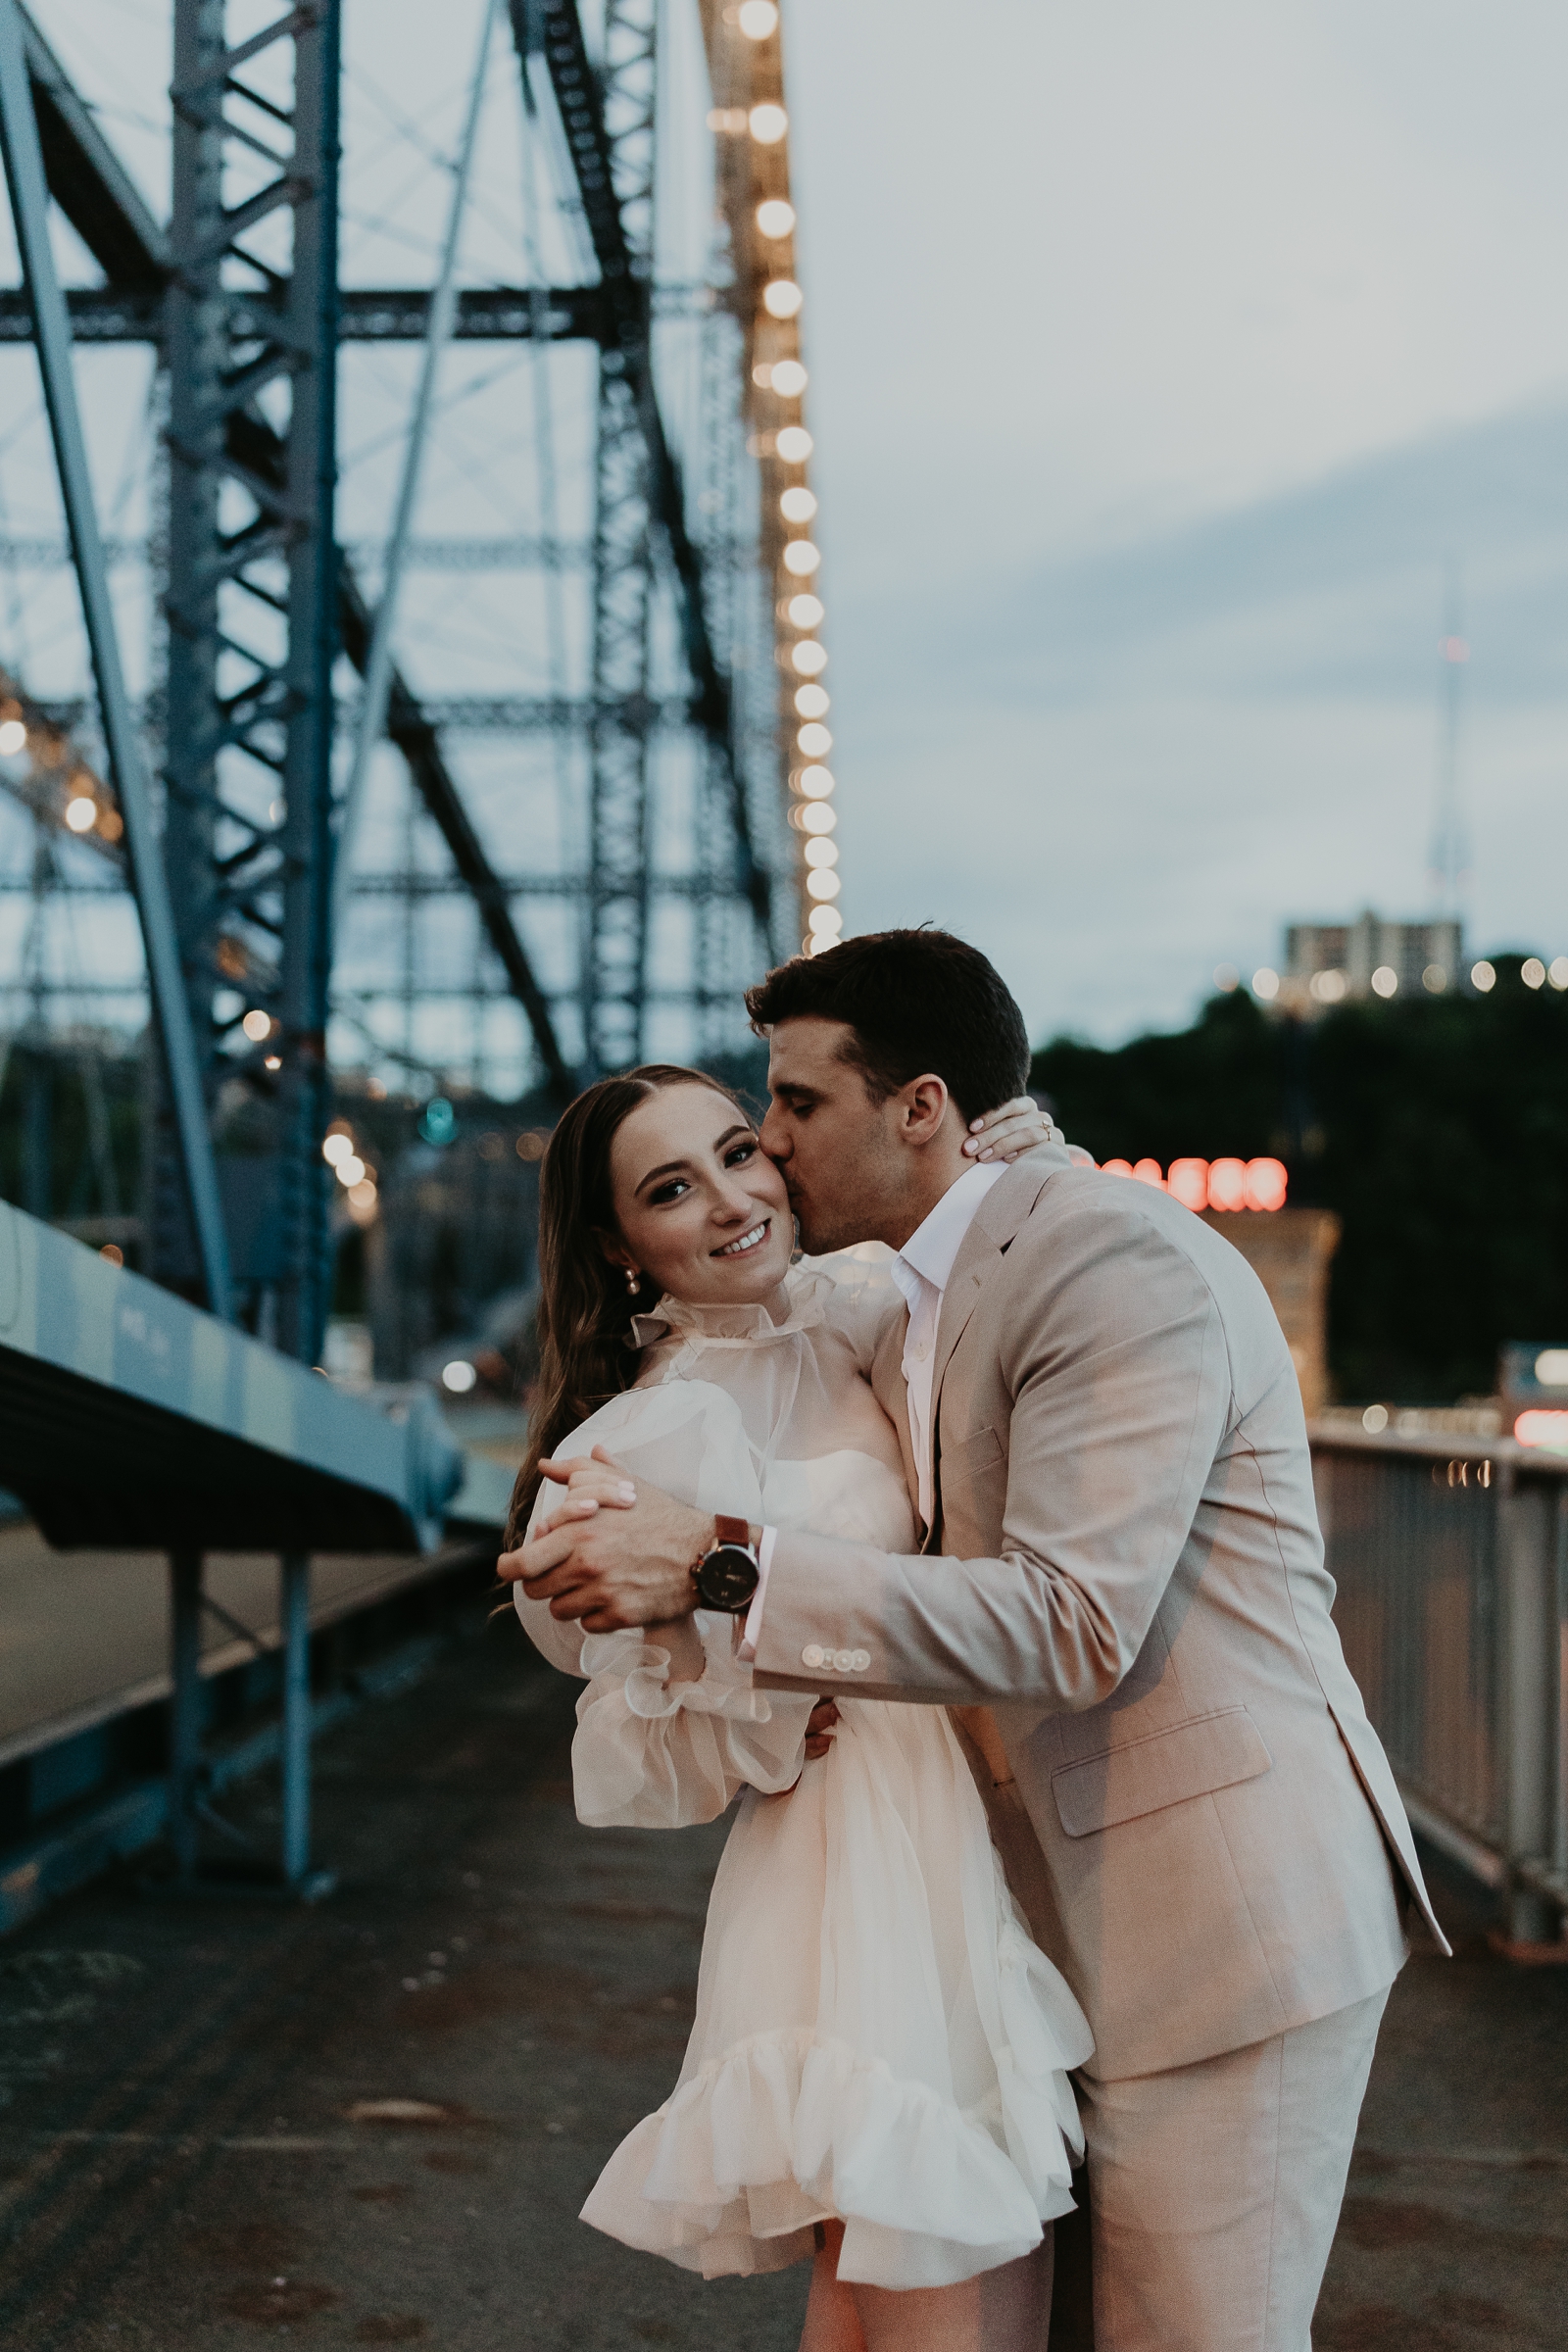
(935, 1242)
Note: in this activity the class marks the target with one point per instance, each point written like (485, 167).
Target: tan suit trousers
(1215, 2188)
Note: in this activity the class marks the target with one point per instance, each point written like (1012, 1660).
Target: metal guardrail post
(1527, 1597)
(184, 1709)
(1559, 1646)
(295, 1616)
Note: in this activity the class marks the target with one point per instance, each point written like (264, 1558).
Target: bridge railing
(1450, 1555)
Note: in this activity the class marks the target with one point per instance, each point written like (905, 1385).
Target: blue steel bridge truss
(235, 889)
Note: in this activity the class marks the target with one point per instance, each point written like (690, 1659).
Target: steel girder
(193, 1179)
(251, 606)
(86, 178)
(608, 123)
(614, 947)
(135, 314)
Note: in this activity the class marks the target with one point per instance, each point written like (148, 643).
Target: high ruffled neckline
(804, 1295)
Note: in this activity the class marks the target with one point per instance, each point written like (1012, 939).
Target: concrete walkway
(374, 2122)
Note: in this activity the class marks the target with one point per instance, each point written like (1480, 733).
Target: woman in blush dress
(877, 2076)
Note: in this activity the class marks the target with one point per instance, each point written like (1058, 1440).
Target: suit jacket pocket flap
(965, 1455)
(1190, 1759)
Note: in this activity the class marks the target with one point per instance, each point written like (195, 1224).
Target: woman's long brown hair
(585, 1308)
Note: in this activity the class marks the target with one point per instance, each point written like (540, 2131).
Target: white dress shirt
(921, 1271)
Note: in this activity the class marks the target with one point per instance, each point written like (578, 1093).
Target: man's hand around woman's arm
(557, 1563)
(612, 1554)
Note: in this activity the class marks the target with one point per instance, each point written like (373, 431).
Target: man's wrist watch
(727, 1577)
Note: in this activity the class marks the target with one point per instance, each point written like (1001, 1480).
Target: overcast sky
(1161, 359)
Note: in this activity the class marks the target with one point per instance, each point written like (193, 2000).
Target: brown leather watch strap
(733, 1531)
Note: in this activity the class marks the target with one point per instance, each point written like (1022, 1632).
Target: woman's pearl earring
(634, 1281)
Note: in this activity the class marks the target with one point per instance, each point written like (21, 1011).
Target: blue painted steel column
(304, 1284)
(29, 204)
(295, 1613)
(185, 1723)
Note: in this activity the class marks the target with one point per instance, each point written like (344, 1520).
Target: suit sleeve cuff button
(813, 1654)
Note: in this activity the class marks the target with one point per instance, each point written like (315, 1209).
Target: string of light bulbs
(747, 62)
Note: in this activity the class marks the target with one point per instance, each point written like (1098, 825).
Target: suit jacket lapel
(996, 1221)
(892, 1393)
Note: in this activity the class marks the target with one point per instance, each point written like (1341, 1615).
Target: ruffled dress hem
(789, 2129)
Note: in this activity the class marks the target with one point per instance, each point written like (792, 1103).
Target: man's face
(838, 1150)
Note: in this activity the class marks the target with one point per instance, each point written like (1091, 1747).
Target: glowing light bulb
(809, 659)
(801, 558)
(820, 884)
(1482, 976)
(338, 1149)
(756, 18)
(82, 815)
(363, 1196)
(814, 741)
(815, 817)
(793, 444)
(782, 298)
(797, 503)
(825, 922)
(13, 738)
(788, 378)
(350, 1172)
(775, 217)
(812, 702)
(814, 783)
(258, 1026)
(821, 852)
(803, 611)
(458, 1376)
(1533, 971)
(1265, 984)
(769, 124)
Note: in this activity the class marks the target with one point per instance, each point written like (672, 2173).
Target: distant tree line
(1438, 1130)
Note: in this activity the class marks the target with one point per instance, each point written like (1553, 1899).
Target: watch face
(728, 1578)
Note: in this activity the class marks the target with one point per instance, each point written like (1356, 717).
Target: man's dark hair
(917, 1001)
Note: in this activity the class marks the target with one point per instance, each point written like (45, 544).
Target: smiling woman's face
(701, 1210)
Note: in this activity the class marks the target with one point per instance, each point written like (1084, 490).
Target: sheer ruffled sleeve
(861, 1304)
(656, 1754)
(652, 1752)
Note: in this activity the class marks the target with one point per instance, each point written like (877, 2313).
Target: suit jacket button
(844, 1661)
(813, 1654)
(860, 1660)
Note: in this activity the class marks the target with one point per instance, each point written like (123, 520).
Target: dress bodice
(764, 1413)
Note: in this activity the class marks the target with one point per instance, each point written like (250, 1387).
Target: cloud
(1119, 769)
(1335, 589)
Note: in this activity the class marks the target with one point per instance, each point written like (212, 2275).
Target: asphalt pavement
(374, 2122)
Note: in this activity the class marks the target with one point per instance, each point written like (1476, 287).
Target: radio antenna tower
(1449, 852)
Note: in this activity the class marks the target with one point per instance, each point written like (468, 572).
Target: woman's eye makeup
(736, 1156)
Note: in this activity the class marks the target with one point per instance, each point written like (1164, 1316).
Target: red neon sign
(1542, 1428)
(1227, 1184)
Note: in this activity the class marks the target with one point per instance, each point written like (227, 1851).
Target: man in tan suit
(1121, 1591)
